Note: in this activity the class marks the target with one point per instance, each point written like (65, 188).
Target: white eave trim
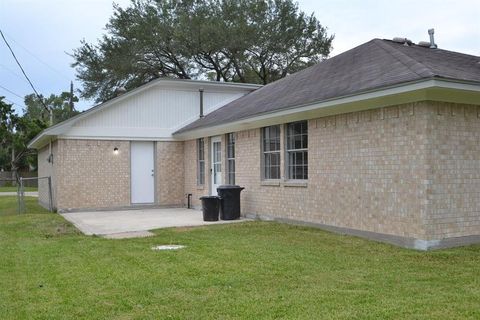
(62, 127)
(416, 91)
(422, 90)
(119, 138)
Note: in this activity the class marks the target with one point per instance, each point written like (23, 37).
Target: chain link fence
(45, 197)
(4, 182)
(8, 179)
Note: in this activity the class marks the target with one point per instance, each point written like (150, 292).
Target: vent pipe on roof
(405, 41)
(120, 90)
(399, 40)
(201, 102)
(432, 39)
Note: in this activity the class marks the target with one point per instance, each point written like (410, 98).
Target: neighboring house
(382, 141)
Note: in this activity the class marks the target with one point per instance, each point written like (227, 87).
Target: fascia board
(431, 89)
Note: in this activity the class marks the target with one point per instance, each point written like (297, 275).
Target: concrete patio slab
(122, 221)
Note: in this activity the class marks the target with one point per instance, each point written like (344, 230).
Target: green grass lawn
(14, 189)
(255, 270)
(9, 205)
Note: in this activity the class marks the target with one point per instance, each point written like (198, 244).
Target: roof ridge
(406, 59)
(297, 73)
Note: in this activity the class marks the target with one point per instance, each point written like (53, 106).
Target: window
(297, 150)
(231, 158)
(201, 161)
(271, 152)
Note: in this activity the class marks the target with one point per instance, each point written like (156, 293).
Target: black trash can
(230, 201)
(210, 207)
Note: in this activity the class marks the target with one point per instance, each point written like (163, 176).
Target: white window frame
(230, 157)
(290, 150)
(201, 161)
(266, 174)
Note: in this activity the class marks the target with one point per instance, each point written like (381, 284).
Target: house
(121, 153)
(381, 141)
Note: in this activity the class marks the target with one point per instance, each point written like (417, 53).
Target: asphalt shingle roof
(372, 65)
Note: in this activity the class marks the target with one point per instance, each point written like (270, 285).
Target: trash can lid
(209, 197)
(229, 186)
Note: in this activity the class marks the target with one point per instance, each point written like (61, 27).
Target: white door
(216, 163)
(143, 172)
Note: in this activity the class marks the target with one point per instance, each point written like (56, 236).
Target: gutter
(416, 89)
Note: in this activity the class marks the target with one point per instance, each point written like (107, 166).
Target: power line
(15, 103)
(37, 58)
(15, 94)
(23, 71)
(13, 72)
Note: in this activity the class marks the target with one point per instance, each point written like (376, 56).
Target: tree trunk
(13, 168)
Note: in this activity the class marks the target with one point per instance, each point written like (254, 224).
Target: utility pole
(71, 96)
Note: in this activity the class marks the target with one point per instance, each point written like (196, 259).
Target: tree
(8, 120)
(59, 104)
(25, 130)
(256, 41)
(17, 131)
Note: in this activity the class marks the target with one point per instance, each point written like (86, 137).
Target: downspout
(201, 102)
(50, 155)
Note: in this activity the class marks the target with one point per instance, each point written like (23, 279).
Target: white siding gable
(152, 114)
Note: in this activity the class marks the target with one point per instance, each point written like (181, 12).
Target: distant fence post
(21, 206)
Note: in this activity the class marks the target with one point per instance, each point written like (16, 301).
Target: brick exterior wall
(170, 173)
(363, 173)
(453, 194)
(90, 175)
(366, 170)
(410, 170)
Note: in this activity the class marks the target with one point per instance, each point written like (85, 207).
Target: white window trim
(279, 151)
(227, 159)
(287, 158)
(200, 162)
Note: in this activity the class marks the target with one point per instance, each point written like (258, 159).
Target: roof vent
(399, 40)
(120, 90)
(432, 39)
(405, 41)
(425, 44)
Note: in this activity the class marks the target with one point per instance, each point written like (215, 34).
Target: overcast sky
(42, 32)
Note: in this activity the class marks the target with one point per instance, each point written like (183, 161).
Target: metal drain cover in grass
(168, 247)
